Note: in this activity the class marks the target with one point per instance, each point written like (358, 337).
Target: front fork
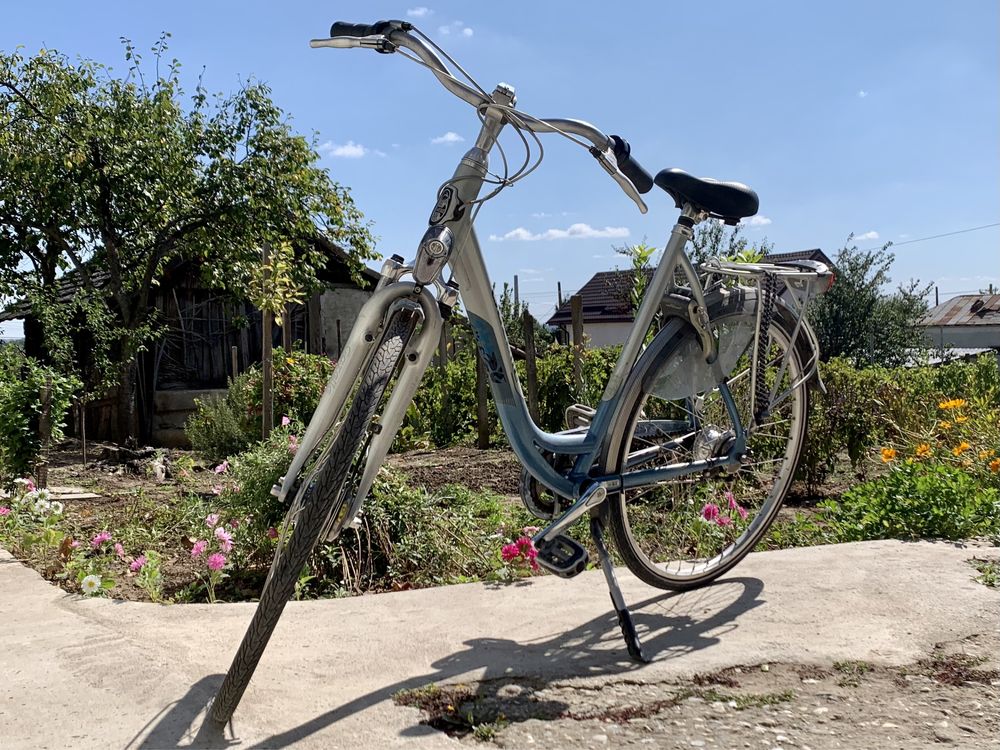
(390, 296)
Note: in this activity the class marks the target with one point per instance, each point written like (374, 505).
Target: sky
(877, 119)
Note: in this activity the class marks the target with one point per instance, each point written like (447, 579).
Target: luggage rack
(804, 280)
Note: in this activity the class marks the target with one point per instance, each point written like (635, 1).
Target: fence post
(234, 361)
(576, 311)
(443, 369)
(267, 360)
(482, 412)
(83, 431)
(530, 366)
(44, 434)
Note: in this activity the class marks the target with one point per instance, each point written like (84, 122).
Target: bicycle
(692, 448)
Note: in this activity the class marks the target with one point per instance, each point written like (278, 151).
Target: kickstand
(624, 616)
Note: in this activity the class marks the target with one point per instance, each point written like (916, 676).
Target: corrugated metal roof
(966, 310)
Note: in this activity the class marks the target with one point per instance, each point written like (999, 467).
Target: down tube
(477, 296)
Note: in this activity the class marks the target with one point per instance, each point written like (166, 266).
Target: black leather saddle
(729, 201)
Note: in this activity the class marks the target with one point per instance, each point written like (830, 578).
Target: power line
(938, 236)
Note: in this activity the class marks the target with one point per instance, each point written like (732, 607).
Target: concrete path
(102, 674)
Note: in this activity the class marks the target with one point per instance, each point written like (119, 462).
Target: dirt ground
(949, 698)
(494, 470)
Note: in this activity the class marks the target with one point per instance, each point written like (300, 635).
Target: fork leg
(617, 599)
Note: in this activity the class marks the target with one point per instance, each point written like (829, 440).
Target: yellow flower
(995, 465)
(289, 360)
(984, 454)
(959, 420)
(888, 454)
(944, 424)
(961, 448)
(923, 450)
(955, 403)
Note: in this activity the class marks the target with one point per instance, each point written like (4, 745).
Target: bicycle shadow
(671, 625)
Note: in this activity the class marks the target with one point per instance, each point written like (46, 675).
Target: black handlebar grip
(341, 28)
(630, 167)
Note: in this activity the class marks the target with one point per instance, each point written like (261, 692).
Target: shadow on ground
(671, 625)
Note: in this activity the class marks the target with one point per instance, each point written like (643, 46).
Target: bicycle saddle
(729, 201)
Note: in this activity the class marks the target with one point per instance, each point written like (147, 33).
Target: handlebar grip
(342, 28)
(630, 167)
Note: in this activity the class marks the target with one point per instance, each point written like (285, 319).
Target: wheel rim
(690, 528)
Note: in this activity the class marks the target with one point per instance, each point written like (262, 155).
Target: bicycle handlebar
(612, 153)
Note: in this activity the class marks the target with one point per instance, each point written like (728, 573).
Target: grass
(852, 672)
(743, 701)
(989, 571)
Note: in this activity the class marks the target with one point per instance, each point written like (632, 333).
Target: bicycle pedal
(563, 556)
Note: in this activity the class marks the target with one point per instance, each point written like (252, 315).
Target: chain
(769, 288)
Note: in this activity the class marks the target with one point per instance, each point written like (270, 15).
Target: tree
(113, 179)
(858, 320)
(512, 317)
(713, 239)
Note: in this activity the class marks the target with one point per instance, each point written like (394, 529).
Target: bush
(222, 427)
(22, 379)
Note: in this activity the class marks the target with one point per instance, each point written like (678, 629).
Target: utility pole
(517, 296)
(559, 292)
(936, 303)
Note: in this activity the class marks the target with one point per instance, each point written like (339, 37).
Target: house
(969, 321)
(607, 307)
(207, 338)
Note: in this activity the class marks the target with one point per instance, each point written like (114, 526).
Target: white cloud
(455, 27)
(419, 12)
(862, 94)
(530, 271)
(872, 235)
(349, 150)
(449, 137)
(574, 232)
(756, 221)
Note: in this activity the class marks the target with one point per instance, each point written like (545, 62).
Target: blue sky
(879, 119)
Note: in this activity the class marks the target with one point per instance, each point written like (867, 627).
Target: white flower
(22, 483)
(56, 507)
(44, 495)
(91, 584)
(41, 506)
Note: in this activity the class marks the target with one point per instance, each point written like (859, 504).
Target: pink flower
(293, 443)
(74, 544)
(272, 533)
(29, 485)
(732, 500)
(198, 547)
(285, 421)
(529, 530)
(217, 489)
(119, 550)
(4, 511)
(509, 552)
(136, 565)
(235, 524)
(742, 511)
(222, 468)
(723, 521)
(216, 561)
(100, 539)
(225, 539)
(212, 520)
(710, 512)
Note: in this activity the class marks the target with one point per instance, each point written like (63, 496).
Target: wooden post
(339, 345)
(517, 295)
(234, 357)
(44, 435)
(576, 311)
(443, 368)
(83, 430)
(267, 364)
(936, 303)
(482, 412)
(530, 366)
(559, 293)
(286, 329)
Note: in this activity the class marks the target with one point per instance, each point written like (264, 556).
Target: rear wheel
(684, 533)
(325, 493)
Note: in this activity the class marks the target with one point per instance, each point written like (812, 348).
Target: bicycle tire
(315, 508)
(656, 572)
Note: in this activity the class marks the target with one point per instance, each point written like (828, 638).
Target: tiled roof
(966, 310)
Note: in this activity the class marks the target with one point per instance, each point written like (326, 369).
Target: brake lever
(378, 43)
(606, 159)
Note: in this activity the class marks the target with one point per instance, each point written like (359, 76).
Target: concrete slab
(98, 673)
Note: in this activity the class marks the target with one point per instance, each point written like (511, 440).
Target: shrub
(222, 427)
(22, 379)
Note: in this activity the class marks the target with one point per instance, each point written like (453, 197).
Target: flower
(225, 539)
(293, 443)
(99, 539)
(74, 544)
(961, 448)
(217, 490)
(41, 504)
(136, 565)
(955, 403)
(743, 512)
(959, 420)
(119, 550)
(723, 521)
(44, 495)
(986, 453)
(56, 507)
(90, 584)
(272, 533)
(923, 450)
(285, 421)
(710, 512)
(888, 454)
(4, 510)
(733, 505)
(995, 465)
(216, 561)
(212, 520)
(198, 547)
(222, 468)
(510, 552)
